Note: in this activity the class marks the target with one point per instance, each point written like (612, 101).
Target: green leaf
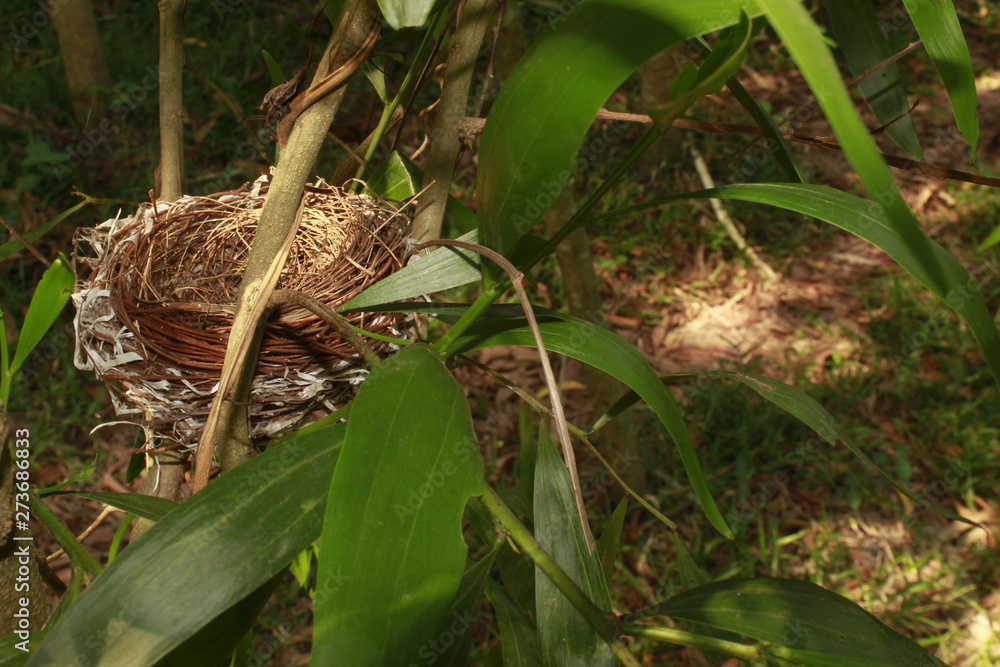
(147, 507)
(565, 636)
(12, 656)
(773, 138)
(803, 39)
(14, 245)
(79, 475)
(50, 297)
(804, 623)
(201, 559)
(443, 268)
(518, 636)
(856, 27)
(376, 77)
(216, 641)
(815, 416)
(406, 13)
(456, 632)
(392, 553)
(603, 349)
(937, 24)
(611, 540)
(933, 266)
(273, 69)
(398, 178)
(723, 61)
(804, 408)
(439, 270)
(518, 575)
(544, 109)
(990, 241)
(692, 577)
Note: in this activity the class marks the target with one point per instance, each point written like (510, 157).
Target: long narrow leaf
(518, 636)
(147, 507)
(200, 559)
(933, 266)
(609, 352)
(565, 636)
(47, 302)
(937, 24)
(855, 25)
(545, 107)
(804, 41)
(805, 623)
(392, 552)
(804, 408)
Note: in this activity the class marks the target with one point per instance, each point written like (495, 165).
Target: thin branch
(88, 531)
(550, 379)
(473, 19)
(475, 125)
(171, 169)
(227, 422)
(330, 316)
(722, 215)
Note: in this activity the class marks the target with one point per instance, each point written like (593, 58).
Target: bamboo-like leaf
(441, 269)
(392, 553)
(803, 623)
(692, 83)
(804, 42)
(11, 655)
(804, 408)
(545, 107)
(47, 302)
(518, 636)
(937, 24)
(273, 68)
(932, 265)
(399, 179)
(565, 636)
(457, 631)
(605, 350)
(611, 540)
(855, 26)
(215, 642)
(200, 559)
(147, 507)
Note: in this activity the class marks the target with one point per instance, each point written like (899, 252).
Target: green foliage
(386, 495)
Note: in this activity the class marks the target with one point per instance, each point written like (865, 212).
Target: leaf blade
(410, 462)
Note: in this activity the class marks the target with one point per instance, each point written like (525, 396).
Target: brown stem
(550, 379)
(227, 420)
(473, 19)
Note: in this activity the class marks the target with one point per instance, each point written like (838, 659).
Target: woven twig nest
(156, 294)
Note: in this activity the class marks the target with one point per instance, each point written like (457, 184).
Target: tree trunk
(82, 55)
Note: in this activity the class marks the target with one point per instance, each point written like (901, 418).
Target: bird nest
(156, 295)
